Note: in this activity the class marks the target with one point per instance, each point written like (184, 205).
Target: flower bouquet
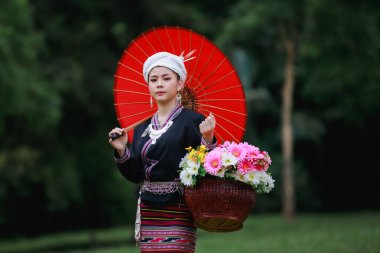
(221, 184)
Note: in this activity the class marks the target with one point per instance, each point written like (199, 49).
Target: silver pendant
(145, 132)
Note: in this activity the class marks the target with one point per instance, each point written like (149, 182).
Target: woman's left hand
(207, 128)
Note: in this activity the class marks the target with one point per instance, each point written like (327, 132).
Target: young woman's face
(164, 85)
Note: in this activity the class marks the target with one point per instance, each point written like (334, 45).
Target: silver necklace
(155, 134)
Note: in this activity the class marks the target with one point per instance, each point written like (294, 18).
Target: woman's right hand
(120, 143)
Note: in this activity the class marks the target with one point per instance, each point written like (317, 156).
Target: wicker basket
(220, 205)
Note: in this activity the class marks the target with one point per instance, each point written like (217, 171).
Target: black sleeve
(194, 136)
(132, 168)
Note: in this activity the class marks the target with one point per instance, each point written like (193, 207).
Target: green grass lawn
(327, 233)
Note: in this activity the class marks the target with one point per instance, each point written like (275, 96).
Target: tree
(340, 76)
(57, 64)
(334, 48)
(273, 27)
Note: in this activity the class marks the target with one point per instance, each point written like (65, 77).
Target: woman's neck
(164, 111)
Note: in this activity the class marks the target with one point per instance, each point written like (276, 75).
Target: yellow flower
(197, 154)
(193, 155)
(202, 148)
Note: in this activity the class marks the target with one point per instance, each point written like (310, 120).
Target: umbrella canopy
(212, 84)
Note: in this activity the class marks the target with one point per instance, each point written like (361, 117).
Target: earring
(151, 102)
(179, 98)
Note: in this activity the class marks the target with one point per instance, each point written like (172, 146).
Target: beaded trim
(161, 188)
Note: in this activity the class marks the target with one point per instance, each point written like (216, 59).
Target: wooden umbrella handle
(128, 128)
(115, 135)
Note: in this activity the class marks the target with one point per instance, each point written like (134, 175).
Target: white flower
(256, 182)
(186, 178)
(239, 177)
(221, 172)
(183, 162)
(265, 181)
(260, 175)
(228, 159)
(192, 167)
(269, 184)
(250, 178)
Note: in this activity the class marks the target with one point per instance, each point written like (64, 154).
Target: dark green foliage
(336, 96)
(57, 60)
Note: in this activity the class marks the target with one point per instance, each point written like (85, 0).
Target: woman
(153, 158)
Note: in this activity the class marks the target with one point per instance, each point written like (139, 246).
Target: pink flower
(237, 150)
(263, 161)
(251, 151)
(250, 148)
(260, 165)
(213, 162)
(219, 150)
(225, 144)
(245, 165)
(267, 158)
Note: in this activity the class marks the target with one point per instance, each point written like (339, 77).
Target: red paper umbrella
(212, 84)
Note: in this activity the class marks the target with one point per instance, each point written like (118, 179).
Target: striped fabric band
(208, 146)
(167, 229)
(125, 157)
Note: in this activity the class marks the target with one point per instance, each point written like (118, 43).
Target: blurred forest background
(57, 61)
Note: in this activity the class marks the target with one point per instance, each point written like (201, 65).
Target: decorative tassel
(138, 220)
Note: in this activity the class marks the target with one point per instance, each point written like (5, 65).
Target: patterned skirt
(167, 229)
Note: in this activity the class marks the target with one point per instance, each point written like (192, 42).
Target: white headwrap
(168, 60)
